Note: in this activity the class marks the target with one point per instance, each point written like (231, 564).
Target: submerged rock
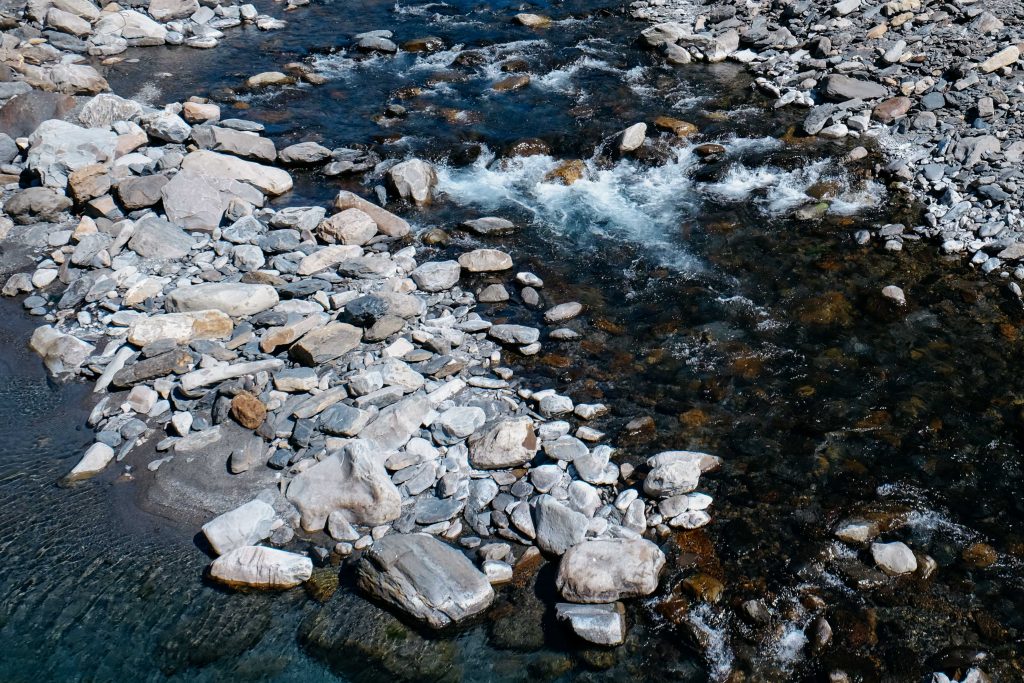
(425, 578)
(598, 624)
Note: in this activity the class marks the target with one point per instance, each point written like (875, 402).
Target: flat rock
(598, 624)
(509, 443)
(424, 578)
(245, 525)
(324, 344)
(180, 327)
(839, 88)
(485, 260)
(267, 179)
(156, 238)
(233, 298)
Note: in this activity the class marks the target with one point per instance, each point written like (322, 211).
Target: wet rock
(304, 153)
(352, 482)
(94, 461)
(514, 334)
(490, 226)
(600, 571)
(632, 138)
(894, 558)
(425, 578)
(511, 83)
(568, 172)
(260, 567)
(246, 525)
(533, 20)
(563, 312)
(599, 624)
(485, 260)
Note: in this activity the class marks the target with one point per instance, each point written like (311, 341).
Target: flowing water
(730, 326)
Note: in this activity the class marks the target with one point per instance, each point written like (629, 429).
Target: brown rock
(511, 83)
(980, 555)
(248, 410)
(568, 172)
(892, 109)
(88, 182)
(682, 129)
(708, 150)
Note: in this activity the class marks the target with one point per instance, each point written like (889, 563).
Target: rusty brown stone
(248, 410)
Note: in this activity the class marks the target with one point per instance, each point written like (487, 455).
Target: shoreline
(936, 89)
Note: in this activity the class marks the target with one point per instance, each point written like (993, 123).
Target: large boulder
(245, 525)
(134, 27)
(234, 298)
(352, 482)
(606, 570)
(269, 180)
(60, 352)
(57, 148)
(156, 238)
(397, 423)
(509, 443)
(22, 114)
(94, 461)
(77, 79)
(413, 180)
(387, 222)
(197, 201)
(34, 204)
(259, 567)
(425, 578)
(436, 276)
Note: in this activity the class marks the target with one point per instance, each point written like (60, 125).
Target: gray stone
(233, 298)
(599, 624)
(509, 443)
(425, 578)
(156, 238)
(260, 567)
(57, 148)
(839, 88)
(245, 525)
(605, 570)
(558, 527)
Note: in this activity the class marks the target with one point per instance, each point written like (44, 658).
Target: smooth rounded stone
(891, 109)
(857, 530)
(533, 20)
(566, 448)
(485, 260)
(672, 479)
(598, 624)
(492, 294)
(704, 461)
(351, 226)
(266, 79)
(691, 519)
(460, 422)
(632, 138)
(436, 276)
(303, 153)
(233, 298)
(259, 567)
(353, 482)
(564, 334)
(530, 297)
(606, 570)
(528, 279)
(554, 404)
(94, 461)
(509, 443)
(194, 112)
(60, 352)
(563, 312)
(894, 558)
(490, 225)
(894, 294)
(512, 83)
(180, 327)
(414, 180)
(156, 238)
(425, 578)
(37, 204)
(558, 527)
(497, 572)
(545, 477)
(514, 334)
(247, 524)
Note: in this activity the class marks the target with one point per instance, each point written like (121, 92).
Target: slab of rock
(672, 478)
(413, 180)
(304, 153)
(485, 260)
(558, 527)
(259, 567)
(839, 88)
(328, 256)
(424, 578)
(57, 148)
(168, 10)
(206, 376)
(141, 192)
(509, 443)
(322, 345)
(606, 570)
(563, 312)
(1005, 57)
(514, 334)
(245, 525)
(351, 226)
(267, 179)
(599, 624)
(60, 352)
(197, 201)
(490, 225)
(243, 144)
(233, 298)
(352, 482)
(397, 423)
(180, 327)
(156, 238)
(387, 223)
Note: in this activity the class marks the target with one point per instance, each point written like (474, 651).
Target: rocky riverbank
(936, 86)
(301, 376)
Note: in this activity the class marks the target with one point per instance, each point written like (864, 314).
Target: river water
(730, 326)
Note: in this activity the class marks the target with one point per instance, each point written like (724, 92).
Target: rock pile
(311, 346)
(937, 87)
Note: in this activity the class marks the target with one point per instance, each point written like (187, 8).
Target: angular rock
(267, 179)
(485, 260)
(509, 443)
(414, 180)
(245, 525)
(558, 527)
(57, 148)
(259, 567)
(425, 578)
(606, 570)
(598, 624)
(326, 343)
(233, 298)
(92, 463)
(156, 238)
(387, 223)
(839, 88)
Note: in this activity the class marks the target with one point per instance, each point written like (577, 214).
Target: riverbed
(716, 321)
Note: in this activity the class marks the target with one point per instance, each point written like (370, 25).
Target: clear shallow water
(734, 328)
